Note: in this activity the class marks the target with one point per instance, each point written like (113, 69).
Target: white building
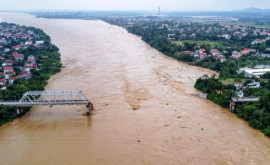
(254, 85)
(39, 42)
(253, 72)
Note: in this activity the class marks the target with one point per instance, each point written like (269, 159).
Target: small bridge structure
(234, 101)
(201, 95)
(51, 98)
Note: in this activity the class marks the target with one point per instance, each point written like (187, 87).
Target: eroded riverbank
(119, 73)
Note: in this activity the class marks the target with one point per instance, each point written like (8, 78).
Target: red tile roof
(239, 83)
(10, 73)
(12, 78)
(18, 55)
(8, 68)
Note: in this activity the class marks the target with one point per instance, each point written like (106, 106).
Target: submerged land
(144, 110)
(234, 44)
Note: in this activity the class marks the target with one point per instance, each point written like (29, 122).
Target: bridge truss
(234, 101)
(51, 98)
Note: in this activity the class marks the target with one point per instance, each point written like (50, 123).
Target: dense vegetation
(48, 60)
(155, 31)
(256, 113)
(157, 38)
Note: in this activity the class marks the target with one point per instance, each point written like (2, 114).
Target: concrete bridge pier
(235, 101)
(19, 111)
(232, 106)
(90, 108)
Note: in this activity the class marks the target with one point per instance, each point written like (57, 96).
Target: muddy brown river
(143, 111)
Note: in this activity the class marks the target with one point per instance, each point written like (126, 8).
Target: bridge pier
(90, 108)
(18, 111)
(232, 106)
(235, 101)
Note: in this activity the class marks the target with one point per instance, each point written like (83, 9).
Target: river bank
(32, 66)
(169, 126)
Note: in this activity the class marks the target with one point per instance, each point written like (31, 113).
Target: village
(244, 50)
(15, 65)
(252, 37)
(204, 39)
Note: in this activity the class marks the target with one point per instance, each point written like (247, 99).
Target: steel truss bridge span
(51, 98)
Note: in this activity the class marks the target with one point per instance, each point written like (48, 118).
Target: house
(248, 50)
(7, 34)
(245, 51)
(205, 55)
(33, 61)
(223, 60)
(7, 50)
(170, 38)
(29, 66)
(7, 64)
(253, 72)
(28, 43)
(17, 56)
(257, 41)
(25, 76)
(11, 80)
(39, 42)
(37, 46)
(17, 47)
(31, 57)
(195, 54)
(226, 36)
(3, 41)
(183, 35)
(238, 85)
(188, 52)
(254, 85)
(214, 51)
(263, 54)
(236, 55)
(193, 35)
(8, 74)
(2, 81)
(8, 69)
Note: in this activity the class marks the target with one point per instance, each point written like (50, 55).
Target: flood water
(143, 111)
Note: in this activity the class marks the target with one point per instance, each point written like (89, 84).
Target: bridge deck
(32, 98)
(245, 99)
(29, 104)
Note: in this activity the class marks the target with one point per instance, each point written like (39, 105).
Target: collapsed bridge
(51, 98)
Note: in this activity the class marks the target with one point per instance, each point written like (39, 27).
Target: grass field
(212, 44)
(233, 80)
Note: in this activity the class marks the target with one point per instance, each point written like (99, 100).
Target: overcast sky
(150, 5)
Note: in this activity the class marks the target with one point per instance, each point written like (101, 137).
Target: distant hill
(244, 13)
(253, 10)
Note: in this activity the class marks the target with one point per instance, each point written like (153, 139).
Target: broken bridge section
(51, 98)
(235, 101)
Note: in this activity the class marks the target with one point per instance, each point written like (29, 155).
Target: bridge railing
(49, 98)
(245, 99)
